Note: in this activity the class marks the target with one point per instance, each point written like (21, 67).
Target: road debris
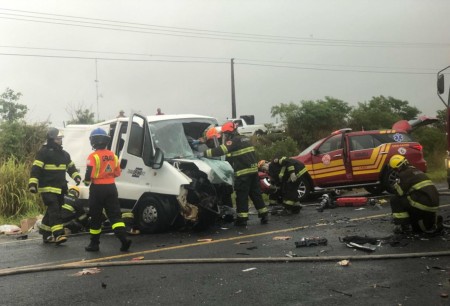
(137, 258)
(341, 292)
(281, 238)
(205, 240)
(365, 247)
(244, 242)
(249, 269)
(311, 241)
(291, 254)
(87, 271)
(9, 229)
(344, 263)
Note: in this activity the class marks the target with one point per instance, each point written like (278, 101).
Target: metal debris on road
(249, 269)
(87, 271)
(281, 237)
(205, 240)
(244, 242)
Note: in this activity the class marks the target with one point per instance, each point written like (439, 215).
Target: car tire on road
(152, 217)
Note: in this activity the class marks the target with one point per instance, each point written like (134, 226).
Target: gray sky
(175, 54)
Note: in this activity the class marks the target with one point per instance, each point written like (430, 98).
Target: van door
(144, 169)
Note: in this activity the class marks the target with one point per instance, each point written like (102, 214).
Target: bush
(267, 147)
(15, 199)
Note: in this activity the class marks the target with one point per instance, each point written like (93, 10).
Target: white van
(164, 180)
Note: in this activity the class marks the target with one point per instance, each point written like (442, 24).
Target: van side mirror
(441, 84)
(158, 159)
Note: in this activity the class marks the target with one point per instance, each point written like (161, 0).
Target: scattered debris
(245, 254)
(344, 263)
(8, 229)
(290, 254)
(341, 292)
(282, 238)
(205, 240)
(249, 269)
(27, 224)
(252, 248)
(87, 271)
(22, 237)
(365, 247)
(311, 241)
(103, 285)
(137, 258)
(359, 240)
(444, 295)
(380, 286)
(244, 242)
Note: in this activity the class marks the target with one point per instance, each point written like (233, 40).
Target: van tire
(152, 218)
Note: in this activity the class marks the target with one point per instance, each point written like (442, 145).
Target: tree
(10, 110)
(380, 113)
(312, 120)
(81, 115)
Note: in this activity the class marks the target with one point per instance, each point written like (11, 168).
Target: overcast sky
(176, 54)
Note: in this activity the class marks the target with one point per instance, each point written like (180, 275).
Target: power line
(221, 35)
(216, 62)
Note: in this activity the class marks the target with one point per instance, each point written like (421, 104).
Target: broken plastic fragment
(205, 240)
(344, 263)
(282, 238)
(137, 258)
(249, 269)
(87, 271)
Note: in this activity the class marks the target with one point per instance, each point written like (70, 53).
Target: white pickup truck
(249, 129)
(164, 182)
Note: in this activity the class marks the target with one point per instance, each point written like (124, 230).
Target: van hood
(409, 126)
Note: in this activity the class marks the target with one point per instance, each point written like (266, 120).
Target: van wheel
(304, 189)
(389, 180)
(259, 133)
(152, 217)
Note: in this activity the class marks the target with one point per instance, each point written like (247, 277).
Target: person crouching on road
(240, 153)
(72, 212)
(48, 176)
(290, 171)
(416, 202)
(102, 169)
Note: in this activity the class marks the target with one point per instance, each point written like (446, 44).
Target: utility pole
(96, 88)
(233, 96)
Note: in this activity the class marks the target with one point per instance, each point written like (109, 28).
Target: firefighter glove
(86, 183)
(77, 180)
(293, 177)
(32, 188)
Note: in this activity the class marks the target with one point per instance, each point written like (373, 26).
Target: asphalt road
(236, 266)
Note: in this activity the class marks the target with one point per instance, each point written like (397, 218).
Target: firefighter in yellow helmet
(240, 153)
(73, 215)
(415, 205)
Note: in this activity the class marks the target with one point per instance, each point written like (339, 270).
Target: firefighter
(289, 173)
(48, 176)
(416, 202)
(102, 169)
(240, 153)
(72, 212)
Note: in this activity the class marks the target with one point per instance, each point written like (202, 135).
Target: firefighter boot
(264, 218)
(122, 236)
(94, 244)
(240, 221)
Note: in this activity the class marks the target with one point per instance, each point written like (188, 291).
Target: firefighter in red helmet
(241, 155)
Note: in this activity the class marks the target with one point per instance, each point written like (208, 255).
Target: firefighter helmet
(53, 133)
(99, 138)
(75, 190)
(229, 127)
(212, 132)
(397, 161)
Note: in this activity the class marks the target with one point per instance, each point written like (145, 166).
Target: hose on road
(81, 265)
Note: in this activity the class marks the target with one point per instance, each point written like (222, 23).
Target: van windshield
(174, 137)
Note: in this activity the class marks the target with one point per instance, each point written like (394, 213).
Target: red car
(348, 159)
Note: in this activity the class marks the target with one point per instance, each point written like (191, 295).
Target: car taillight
(418, 147)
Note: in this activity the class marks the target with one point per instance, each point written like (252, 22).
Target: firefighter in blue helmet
(415, 205)
(102, 169)
(240, 153)
(48, 177)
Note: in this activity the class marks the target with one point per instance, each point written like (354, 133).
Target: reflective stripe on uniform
(68, 207)
(97, 165)
(289, 202)
(281, 174)
(242, 215)
(421, 206)
(55, 167)
(421, 185)
(263, 210)
(303, 171)
(128, 215)
(33, 180)
(242, 151)
(50, 189)
(400, 215)
(45, 227)
(57, 227)
(246, 171)
(95, 231)
(74, 175)
(398, 189)
(118, 224)
(38, 163)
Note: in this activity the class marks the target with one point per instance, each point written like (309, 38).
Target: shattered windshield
(173, 136)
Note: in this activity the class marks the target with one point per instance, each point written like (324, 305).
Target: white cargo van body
(163, 179)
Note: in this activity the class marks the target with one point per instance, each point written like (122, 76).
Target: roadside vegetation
(304, 122)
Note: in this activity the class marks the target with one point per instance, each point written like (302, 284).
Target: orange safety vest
(105, 167)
